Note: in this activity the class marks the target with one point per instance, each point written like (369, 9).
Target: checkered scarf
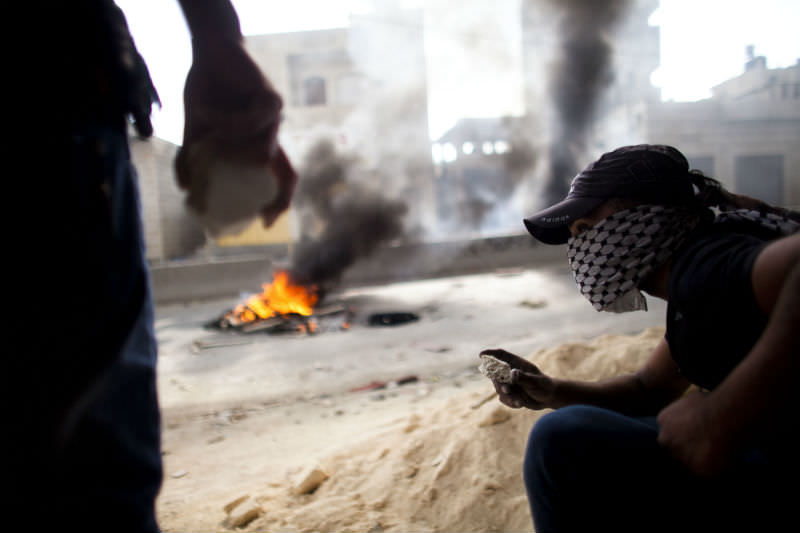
(610, 260)
(777, 223)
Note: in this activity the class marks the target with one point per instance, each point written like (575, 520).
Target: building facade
(747, 134)
(363, 89)
(491, 172)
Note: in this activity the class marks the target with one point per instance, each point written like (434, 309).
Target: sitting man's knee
(552, 438)
(552, 429)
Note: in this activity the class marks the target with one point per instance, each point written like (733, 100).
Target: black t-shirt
(713, 319)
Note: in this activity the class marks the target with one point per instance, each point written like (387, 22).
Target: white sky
(702, 44)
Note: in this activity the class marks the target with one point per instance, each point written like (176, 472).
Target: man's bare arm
(706, 431)
(644, 392)
(232, 114)
(211, 19)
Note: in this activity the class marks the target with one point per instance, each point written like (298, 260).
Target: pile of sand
(452, 468)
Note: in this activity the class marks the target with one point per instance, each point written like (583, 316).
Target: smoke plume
(581, 72)
(342, 218)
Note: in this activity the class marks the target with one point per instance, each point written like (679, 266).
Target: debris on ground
(241, 511)
(533, 304)
(392, 318)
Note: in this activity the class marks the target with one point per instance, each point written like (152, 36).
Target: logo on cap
(556, 220)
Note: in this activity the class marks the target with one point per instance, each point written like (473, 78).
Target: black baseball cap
(650, 172)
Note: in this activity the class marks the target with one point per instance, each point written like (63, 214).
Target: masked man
(638, 452)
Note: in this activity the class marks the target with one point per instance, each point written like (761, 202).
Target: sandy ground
(271, 428)
(214, 457)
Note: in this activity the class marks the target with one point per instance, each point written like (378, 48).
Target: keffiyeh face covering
(610, 260)
(776, 223)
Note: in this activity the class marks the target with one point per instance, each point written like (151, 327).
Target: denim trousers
(87, 448)
(591, 469)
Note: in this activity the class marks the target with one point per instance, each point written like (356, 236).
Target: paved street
(519, 310)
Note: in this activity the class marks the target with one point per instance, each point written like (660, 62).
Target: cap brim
(551, 225)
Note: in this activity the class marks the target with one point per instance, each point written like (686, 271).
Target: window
(760, 176)
(444, 153)
(312, 76)
(314, 91)
(449, 153)
(436, 153)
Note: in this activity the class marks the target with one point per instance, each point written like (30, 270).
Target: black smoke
(343, 218)
(582, 71)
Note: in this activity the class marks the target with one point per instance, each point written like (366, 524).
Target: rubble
(309, 480)
(241, 512)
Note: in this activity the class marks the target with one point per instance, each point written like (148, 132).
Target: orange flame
(278, 298)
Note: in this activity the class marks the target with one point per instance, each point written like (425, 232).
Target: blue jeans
(86, 421)
(591, 469)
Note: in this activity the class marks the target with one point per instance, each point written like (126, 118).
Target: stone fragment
(230, 506)
(309, 480)
(495, 369)
(241, 512)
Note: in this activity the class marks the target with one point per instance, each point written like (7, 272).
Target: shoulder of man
(713, 269)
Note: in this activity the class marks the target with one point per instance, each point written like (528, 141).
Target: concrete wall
(198, 280)
(221, 277)
(170, 230)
